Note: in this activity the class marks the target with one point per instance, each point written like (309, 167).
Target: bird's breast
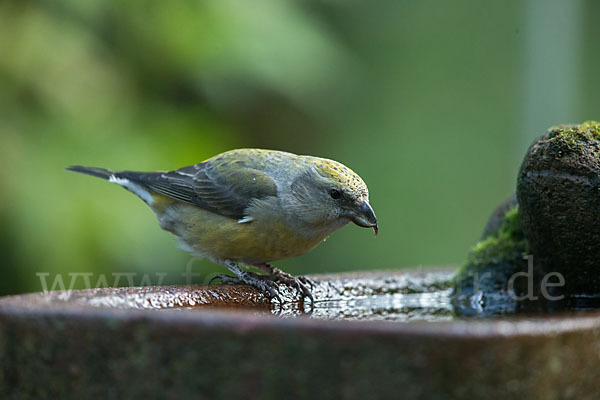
(266, 238)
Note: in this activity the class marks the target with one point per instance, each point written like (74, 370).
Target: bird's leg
(300, 282)
(262, 283)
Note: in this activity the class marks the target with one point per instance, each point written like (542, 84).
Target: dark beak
(364, 216)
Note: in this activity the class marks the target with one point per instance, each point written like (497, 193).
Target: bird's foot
(226, 279)
(300, 283)
(263, 283)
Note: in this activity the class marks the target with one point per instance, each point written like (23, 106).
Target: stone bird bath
(370, 335)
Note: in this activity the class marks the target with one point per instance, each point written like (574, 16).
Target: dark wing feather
(225, 188)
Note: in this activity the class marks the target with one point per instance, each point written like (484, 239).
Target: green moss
(498, 252)
(481, 286)
(502, 243)
(575, 137)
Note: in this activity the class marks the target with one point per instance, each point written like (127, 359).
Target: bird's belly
(216, 237)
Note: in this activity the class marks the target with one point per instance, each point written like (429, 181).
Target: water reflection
(417, 296)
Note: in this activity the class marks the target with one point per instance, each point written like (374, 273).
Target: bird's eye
(335, 194)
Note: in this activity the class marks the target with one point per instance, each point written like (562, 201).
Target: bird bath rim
(247, 319)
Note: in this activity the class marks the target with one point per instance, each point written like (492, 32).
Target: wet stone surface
(385, 295)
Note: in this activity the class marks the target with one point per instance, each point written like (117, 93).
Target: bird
(250, 207)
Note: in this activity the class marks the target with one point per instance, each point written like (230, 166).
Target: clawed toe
(268, 284)
(305, 291)
(269, 288)
(225, 279)
(299, 283)
(306, 281)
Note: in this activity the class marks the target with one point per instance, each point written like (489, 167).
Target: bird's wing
(225, 187)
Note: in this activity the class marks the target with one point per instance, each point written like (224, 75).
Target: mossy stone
(481, 285)
(558, 192)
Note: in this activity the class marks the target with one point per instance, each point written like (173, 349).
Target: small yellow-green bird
(252, 207)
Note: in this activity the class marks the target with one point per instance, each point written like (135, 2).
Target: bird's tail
(121, 178)
(97, 172)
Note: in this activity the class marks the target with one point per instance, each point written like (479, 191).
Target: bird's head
(331, 194)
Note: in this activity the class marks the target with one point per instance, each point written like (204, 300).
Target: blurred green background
(433, 103)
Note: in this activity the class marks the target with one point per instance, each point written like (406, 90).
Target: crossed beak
(364, 216)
